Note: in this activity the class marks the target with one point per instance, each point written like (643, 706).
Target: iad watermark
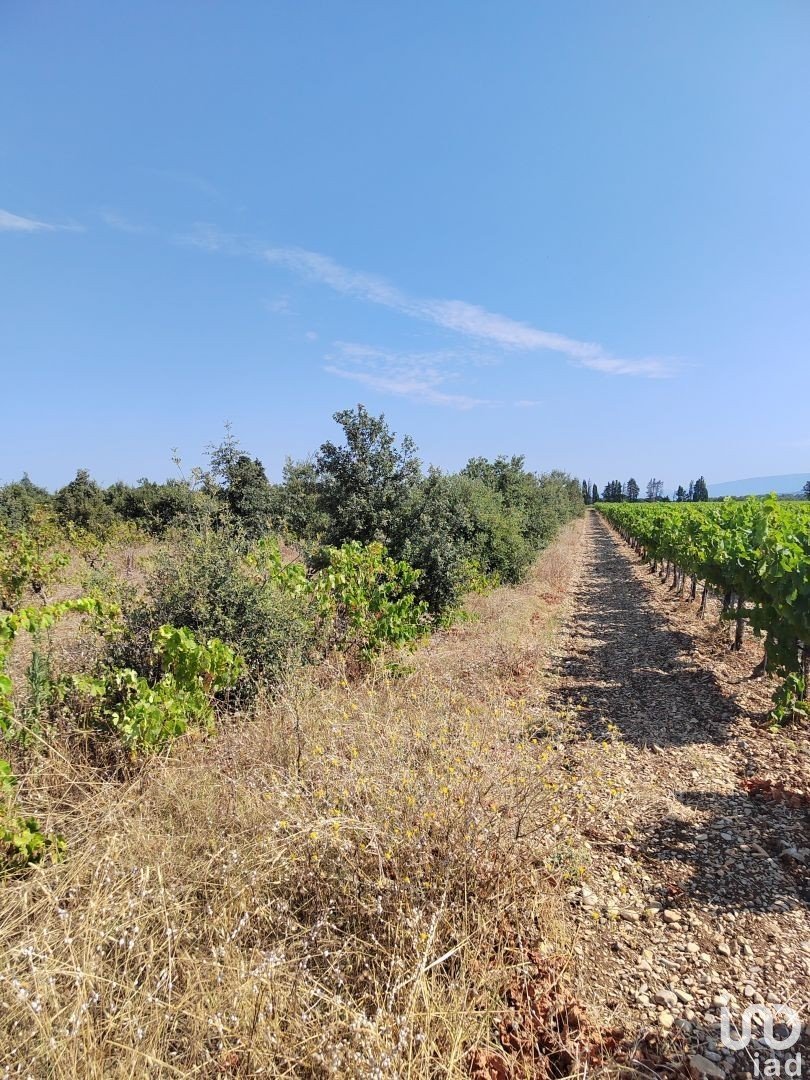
(790, 1031)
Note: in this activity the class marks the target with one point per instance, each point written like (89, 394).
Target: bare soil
(696, 886)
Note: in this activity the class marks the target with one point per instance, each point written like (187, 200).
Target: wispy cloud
(15, 223)
(122, 224)
(417, 376)
(459, 316)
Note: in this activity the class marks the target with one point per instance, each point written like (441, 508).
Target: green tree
(82, 503)
(364, 482)
(586, 493)
(19, 500)
(633, 490)
(701, 493)
(296, 503)
(806, 490)
(594, 495)
(243, 486)
(680, 494)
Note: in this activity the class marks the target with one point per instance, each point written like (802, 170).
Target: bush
(151, 506)
(22, 841)
(371, 599)
(82, 503)
(204, 583)
(147, 713)
(20, 501)
(456, 529)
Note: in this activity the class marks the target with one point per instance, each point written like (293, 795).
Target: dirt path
(696, 889)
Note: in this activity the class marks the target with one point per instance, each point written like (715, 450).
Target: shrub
(241, 486)
(20, 501)
(204, 582)
(82, 503)
(147, 713)
(151, 506)
(22, 841)
(28, 563)
(371, 598)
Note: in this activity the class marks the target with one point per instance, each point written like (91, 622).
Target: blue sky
(574, 230)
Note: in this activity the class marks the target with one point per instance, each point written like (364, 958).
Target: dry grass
(350, 882)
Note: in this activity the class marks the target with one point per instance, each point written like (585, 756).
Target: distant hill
(789, 484)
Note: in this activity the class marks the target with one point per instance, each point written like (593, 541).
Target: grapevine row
(754, 553)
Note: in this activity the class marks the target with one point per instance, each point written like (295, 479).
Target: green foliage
(755, 549)
(148, 713)
(21, 501)
(371, 598)
(296, 504)
(363, 484)
(82, 503)
(22, 841)
(243, 488)
(365, 599)
(34, 620)
(28, 563)
(790, 700)
(151, 506)
(486, 523)
(207, 583)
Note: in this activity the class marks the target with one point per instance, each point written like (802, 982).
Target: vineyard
(755, 554)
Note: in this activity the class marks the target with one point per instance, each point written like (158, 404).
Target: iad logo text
(766, 1015)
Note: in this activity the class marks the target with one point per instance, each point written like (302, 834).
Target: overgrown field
(245, 829)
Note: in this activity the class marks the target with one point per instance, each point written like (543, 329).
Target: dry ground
(360, 879)
(698, 888)
(462, 869)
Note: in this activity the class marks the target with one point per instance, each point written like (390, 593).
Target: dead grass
(358, 880)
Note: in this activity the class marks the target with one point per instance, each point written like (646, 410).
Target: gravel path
(696, 891)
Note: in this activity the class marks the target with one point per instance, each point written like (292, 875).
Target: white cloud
(121, 224)
(417, 376)
(461, 317)
(279, 305)
(14, 223)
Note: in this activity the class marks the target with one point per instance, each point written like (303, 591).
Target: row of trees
(615, 492)
(698, 491)
(487, 521)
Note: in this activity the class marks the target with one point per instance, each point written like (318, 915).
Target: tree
(655, 489)
(364, 483)
(680, 494)
(82, 502)
(701, 492)
(613, 491)
(633, 490)
(806, 490)
(19, 500)
(586, 496)
(243, 486)
(595, 495)
(691, 493)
